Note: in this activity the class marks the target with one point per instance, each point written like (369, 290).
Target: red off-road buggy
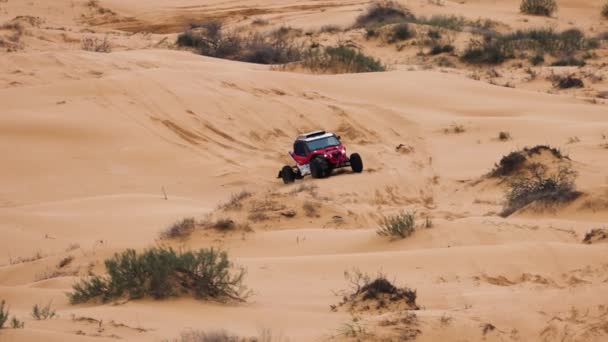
(318, 153)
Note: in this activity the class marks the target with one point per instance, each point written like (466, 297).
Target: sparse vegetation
(236, 200)
(341, 59)
(311, 209)
(401, 225)
(330, 29)
(400, 32)
(224, 224)
(65, 261)
(179, 229)
(94, 44)
(538, 185)
(448, 22)
(569, 61)
(210, 39)
(596, 235)
(567, 81)
(514, 162)
(454, 128)
(4, 313)
(376, 293)
(265, 335)
(16, 323)
(538, 7)
(605, 10)
(40, 312)
(161, 272)
(504, 136)
(382, 13)
(496, 48)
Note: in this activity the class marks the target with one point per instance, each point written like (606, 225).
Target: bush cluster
(401, 225)
(162, 272)
(538, 7)
(341, 59)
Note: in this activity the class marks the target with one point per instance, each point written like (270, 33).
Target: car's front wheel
(288, 175)
(356, 163)
(319, 168)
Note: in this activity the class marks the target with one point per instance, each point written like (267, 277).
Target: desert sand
(102, 151)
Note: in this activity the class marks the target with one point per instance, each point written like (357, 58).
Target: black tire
(356, 163)
(319, 168)
(288, 175)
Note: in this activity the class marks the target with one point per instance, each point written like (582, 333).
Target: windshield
(322, 143)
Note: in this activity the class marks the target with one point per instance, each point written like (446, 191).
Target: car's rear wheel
(319, 168)
(287, 174)
(356, 163)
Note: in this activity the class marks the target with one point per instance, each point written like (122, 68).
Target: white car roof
(315, 136)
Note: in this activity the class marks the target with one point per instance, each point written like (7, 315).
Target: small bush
(605, 10)
(537, 59)
(566, 82)
(538, 7)
(265, 335)
(400, 32)
(179, 229)
(488, 52)
(4, 313)
(311, 209)
(538, 186)
(512, 163)
(595, 235)
(95, 44)
(379, 289)
(341, 59)
(17, 324)
(383, 12)
(236, 200)
(504, 136)
(495, 49)
(449, 22)
(160, 273)
(441, 48)
(259, 22)
(569, 61)
(401, 225)
(224, 224)
(65, 261)
(330, 29)
(210, 39)
(42, 312)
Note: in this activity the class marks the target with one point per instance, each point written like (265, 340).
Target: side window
(299, 148)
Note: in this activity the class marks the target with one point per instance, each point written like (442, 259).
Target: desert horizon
(458, 191)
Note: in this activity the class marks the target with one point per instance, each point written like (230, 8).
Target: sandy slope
(93, 142)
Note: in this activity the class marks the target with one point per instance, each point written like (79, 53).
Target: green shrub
(40, 312)
(365, 288)
(539, 186)
(537, 59)
(161, 272)
(488, 52)
(569, 61)
(400, 32)
(210, 39)
(437, 49)
(383, 12)
(341, 59)
(498, 48)
(449, 22)
(401, 225)
(179, 229)
(3, 313)
(538, 7)
(17, 324)
(566, 82)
